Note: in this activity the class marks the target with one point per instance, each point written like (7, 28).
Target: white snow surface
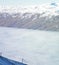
(34, 46)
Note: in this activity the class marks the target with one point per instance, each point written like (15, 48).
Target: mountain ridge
(31, 9)
(43, 17)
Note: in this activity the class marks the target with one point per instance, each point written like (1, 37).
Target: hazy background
(25, 2)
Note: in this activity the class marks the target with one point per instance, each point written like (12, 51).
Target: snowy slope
(34, 46)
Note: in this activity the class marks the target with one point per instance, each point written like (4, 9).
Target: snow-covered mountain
(43, 17)
(49, 7)
(34, 46)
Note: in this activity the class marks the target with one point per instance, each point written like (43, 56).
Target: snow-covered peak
(47, 9)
